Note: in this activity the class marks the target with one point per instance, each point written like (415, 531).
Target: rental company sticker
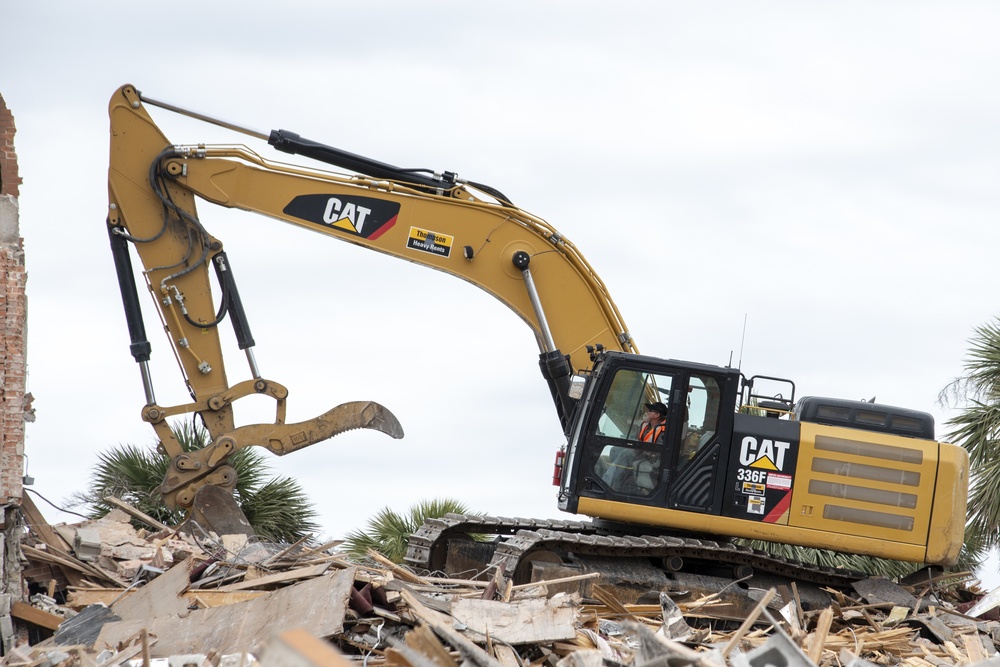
(428, 241)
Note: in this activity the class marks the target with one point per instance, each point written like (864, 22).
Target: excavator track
(667, 562)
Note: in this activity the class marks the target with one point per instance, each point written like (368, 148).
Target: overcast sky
(826, 173)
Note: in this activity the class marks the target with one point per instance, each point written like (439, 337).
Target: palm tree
(389, 531)
(977, 429)
(277, 508)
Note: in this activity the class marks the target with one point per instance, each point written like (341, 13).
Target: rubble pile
(103, 594)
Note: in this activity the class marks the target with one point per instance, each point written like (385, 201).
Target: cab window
(701, 416)
(625, 405)
(629, 466)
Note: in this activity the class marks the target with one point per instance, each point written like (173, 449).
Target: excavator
(740, 457)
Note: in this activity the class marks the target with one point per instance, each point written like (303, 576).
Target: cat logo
(345, 215)
(765, 454)
(366, 217)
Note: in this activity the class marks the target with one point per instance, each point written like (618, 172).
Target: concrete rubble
(103, 593)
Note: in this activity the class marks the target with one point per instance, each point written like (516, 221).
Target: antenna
(742, 339)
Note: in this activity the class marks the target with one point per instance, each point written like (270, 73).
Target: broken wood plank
(442, 624)
(278, 578)
(317, 550)
(160, 597)
(400, 572)
(138, 514)
(39, 617)
(523, 622)
(506, 655)
(817, 638)
(425, 642)
(974, 648)
(317, 605)
(750, 620)
(607, 598)
(287, 550)
(56, 555)
(41, 529)
(204, 598)
(302, 649)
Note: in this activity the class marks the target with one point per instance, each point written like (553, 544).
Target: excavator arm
(151, 212)
(470, 231)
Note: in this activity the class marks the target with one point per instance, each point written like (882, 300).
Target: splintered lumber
(138, 514)
(750, 620)
(506, 655)
(442, 624)
(974, 648)
(160, 597)
(68, 563)
(298, 647)
(41, 529)
(204, 598)
(278, 578)
(607, 598)
(521, 622)
(399, 572)
(317, 606)
(817, 639)
(287, 550)
(896, 641)
(26, 612)
(422, 640)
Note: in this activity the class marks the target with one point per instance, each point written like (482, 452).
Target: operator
(654, 426)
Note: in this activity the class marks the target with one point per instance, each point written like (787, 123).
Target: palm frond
(388, 532)
(824, 558)
(977, 429)
(277, 508)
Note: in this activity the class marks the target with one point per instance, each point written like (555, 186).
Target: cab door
(697, 482)
(610, 462)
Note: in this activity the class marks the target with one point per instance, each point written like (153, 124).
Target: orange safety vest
(647, 434)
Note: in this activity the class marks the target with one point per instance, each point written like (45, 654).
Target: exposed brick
(12, 318)
(10, 181)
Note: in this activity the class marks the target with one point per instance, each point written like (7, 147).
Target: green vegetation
(276, 507)
(388, 531)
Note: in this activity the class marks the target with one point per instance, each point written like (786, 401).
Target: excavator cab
(609, 462)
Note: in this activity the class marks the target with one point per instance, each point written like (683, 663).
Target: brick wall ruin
(15, 408)
(13, 320)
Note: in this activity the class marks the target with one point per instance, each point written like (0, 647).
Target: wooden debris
(817, 640)
(161, 597)
(522, 622)
(39, 617)
(317, 606)
(301, 649)
(302, 604)
(141, 516)
(279, 578)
